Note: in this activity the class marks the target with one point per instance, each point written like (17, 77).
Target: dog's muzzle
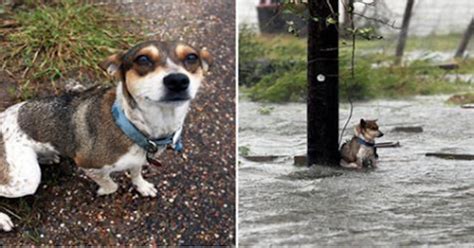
(177, 85)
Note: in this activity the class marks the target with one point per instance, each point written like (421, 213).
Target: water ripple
(411, 200)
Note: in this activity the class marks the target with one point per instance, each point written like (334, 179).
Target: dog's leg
(106, 184)
(345, 164)
(20, 175)
(143, 186)
(374, 162)
(49, 159)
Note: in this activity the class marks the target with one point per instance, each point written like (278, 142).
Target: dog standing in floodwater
(360, 151)
(104, 129)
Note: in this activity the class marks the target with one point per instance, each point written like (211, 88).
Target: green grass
(281, 77)
(52, 41)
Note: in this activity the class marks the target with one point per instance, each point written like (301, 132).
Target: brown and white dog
(157, 81)
(360, 151)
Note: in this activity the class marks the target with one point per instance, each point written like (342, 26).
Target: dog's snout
(380, 134)
(176, 82)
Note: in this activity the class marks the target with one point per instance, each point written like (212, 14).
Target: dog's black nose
(381, 134)
(176, 82)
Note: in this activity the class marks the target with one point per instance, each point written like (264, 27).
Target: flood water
(410, 199)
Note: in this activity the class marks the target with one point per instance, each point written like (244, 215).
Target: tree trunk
(465, 39)
(404, 32)
(323, 76)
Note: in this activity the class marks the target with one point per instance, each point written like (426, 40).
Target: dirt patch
(467, 98)
(196, 199)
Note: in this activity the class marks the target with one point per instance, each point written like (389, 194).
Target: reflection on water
(410, 200)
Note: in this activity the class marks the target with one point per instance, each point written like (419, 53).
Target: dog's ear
(112, 64)
(362, 123)
(206, 59)
(357, 130)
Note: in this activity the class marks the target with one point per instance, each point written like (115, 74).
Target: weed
(266, 110)
(52, 41)
(34, 235)
(244, 150)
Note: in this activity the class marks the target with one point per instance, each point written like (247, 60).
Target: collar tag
(152, 161)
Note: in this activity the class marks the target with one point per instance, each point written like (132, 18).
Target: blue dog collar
(365, 143)
(150, 145)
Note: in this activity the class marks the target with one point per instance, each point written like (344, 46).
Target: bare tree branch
(385, 22)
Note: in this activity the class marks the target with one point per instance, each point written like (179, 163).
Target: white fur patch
(21, 155)
(133, 158)
(365, 152)
(6, 223)
(22, 160)
(112, 69)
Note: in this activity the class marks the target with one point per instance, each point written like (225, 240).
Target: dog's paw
(6, 223)
(108, 189)
(375, 163)
(146, 189)
(56, 159)
(351, 166)
(49, 160)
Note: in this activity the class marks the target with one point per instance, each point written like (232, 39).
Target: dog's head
(369, 129)
(160, 72)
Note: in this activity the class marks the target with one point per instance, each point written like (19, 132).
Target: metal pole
(323, 77)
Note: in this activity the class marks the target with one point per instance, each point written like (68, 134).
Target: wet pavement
(409, 200)
(196, 197)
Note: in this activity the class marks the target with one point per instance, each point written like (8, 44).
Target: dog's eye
(191, 58)
(143, 60)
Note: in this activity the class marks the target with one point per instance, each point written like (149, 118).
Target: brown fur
(78, 126)
(150, 51)
(109, 141)
(349, 150)
(206, 56)
(182, 51)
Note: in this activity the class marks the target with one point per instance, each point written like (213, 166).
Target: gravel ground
(196, 202)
